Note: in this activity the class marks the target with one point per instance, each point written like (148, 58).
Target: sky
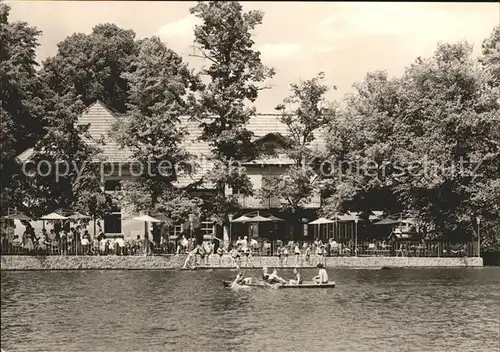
(299, 39)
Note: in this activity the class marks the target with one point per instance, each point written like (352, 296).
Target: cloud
(180, 28)
(279, 50)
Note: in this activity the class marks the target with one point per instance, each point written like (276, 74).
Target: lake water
(369, 310)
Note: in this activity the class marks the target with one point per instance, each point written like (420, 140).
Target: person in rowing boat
(322, 277)
(241, 280)
(297, 280)
(274, 278)
(265, 274)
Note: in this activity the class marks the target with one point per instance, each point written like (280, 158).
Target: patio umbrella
(242, 218)
(275, 218)
(260, 218)
(387, 222)
(53, 216)
(146, 218)
(19, 216)
(163, 218)
(77, 216)
(321, 221)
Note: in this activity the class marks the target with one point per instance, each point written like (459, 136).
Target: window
(175, 232)
(113, 223)
(207, 228)
(305, 226)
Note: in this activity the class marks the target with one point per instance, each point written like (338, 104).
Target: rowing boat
(304, 284)
(252, 284)
(308, 284)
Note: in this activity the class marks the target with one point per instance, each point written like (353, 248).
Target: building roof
(101, 120)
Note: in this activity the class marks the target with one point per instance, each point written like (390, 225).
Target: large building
(268, 131)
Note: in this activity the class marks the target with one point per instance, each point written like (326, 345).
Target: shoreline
(172, 262)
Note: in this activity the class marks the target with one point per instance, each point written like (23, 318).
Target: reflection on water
(370, 310)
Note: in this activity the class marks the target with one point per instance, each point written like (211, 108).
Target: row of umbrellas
(256, 218)
(52, 216)
(347, 218)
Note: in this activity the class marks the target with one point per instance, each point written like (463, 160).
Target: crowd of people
(74, 241)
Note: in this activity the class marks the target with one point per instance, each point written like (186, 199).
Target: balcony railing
(272, 202)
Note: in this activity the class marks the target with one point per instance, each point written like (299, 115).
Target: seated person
(265, 274)
(241, 280)
(274, 278)
(297, 277)
(322, 277)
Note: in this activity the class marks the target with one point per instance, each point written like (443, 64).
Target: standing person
(296, 252)
(322, 277)
(95, 245)
(220, 251)
(202, 253)
(208, 252)
(235, 256)
(137, 245)
(307, 255)
(248, 254)
(319, 253)
(190, 256)
(28, 242)
(285, 254)
(71, 240)
(64, 242)
(254, 246)
(146, 245)
(279, 253)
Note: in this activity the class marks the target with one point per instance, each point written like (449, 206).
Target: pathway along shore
(13, 262)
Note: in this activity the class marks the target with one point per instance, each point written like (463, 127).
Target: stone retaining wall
(11, 262)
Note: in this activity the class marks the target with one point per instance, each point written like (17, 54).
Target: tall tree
(236, 73)
(22, 102)
(491, 56)
(159, 85)
(89, 67)
(304, 112)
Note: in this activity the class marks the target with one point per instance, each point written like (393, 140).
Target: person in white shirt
(121, 245)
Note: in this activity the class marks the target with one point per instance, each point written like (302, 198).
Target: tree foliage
(21, 105)
(235, 73)
(89, 67)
